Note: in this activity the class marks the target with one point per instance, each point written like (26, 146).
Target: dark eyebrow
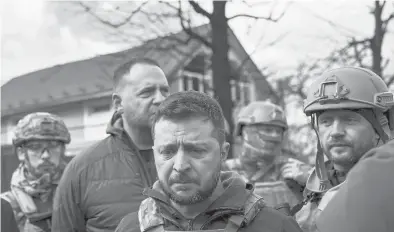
(146, 88)
(186, 144)
(196, 144)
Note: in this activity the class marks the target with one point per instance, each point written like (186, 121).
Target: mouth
(46, 166)
(339, 146)
(182, 186)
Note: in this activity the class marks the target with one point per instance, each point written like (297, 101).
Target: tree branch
(189, 31)
(390, 81)
(269, 18)
(197, 8)
(108, 23)
(386, 22)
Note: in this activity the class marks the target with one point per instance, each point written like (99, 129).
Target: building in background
(80, 91)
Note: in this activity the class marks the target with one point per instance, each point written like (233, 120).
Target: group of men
(164, 167)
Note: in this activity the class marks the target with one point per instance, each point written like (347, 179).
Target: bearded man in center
(192, 193)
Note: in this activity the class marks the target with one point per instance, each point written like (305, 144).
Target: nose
(337, 129)
(159, 97)
(181, 162)
(45, 154)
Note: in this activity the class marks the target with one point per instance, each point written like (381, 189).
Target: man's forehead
(166, 130)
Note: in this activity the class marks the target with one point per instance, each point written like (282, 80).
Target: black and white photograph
(197, 115)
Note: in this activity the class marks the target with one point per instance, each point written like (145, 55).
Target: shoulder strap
(149, 215)
(253, 205)
(309, 197)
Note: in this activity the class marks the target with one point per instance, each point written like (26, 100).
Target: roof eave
(56, 102)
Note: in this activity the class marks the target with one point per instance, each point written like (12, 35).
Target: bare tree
(183, 12)
(367, 52)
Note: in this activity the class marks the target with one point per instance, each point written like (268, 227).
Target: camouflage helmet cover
(348, 88)
(40, 126)
(260, 112)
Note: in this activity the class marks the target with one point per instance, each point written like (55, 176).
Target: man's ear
(224, 151)
(20, 153)
(117, 102)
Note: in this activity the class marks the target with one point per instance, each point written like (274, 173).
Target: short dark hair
(123, 69)
(187, 104)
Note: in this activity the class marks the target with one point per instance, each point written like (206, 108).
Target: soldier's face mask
(263, 136)
(265, 140)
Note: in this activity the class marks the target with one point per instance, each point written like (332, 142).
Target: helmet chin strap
(320, 167)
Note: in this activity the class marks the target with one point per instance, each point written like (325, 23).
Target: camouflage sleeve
(67, 215)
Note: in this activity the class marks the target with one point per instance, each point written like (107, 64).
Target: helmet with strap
(349, 88)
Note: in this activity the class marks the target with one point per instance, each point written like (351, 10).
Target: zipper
(145, 175)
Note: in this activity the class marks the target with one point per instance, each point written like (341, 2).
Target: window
(96, 120)
(240, 91)
(197, 82)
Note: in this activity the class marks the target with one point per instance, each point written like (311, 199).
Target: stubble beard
(344, 162)
(199, 196)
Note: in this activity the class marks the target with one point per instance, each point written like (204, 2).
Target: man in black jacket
(103, 184)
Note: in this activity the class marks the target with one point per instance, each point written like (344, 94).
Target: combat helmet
(349, 88)
(260, 112)
(40, 126)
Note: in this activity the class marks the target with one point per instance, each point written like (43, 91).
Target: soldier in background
(351, 110)
(39, 142)
(262, 126)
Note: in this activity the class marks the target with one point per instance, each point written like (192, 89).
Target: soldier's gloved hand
(296, 170)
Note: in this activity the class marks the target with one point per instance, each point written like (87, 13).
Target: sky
(38, 34)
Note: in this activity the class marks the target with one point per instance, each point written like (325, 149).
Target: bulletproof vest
(28, 216)
(152, 221)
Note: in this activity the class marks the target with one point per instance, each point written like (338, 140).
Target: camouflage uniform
(267, 179)
(33, 212)
(348, 88)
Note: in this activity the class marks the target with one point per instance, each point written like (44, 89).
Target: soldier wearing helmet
(262, 125)
(39, 141)
(351, 113)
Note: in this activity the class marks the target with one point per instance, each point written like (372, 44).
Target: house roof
(90, 78)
